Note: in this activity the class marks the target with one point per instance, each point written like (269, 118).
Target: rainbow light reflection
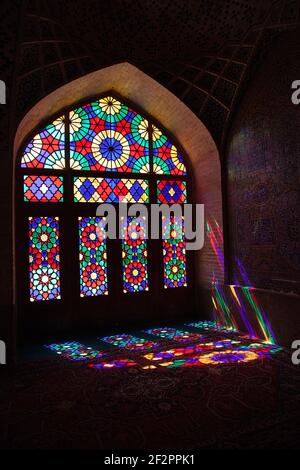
(241, 297)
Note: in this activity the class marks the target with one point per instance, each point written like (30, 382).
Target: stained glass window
(167, 160)
(134, 253)
(106, 135)
(44, 260)
(111, 154)
(110, 190)
(171, 192)
(174, 255)
(43, 188)
(92, 257)
(47, 148)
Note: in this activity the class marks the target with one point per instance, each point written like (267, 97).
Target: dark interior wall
(8, 51)
(263, 174)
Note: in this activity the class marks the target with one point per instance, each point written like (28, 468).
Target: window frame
(68, 212)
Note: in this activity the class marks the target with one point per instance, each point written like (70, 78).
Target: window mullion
(67, 141)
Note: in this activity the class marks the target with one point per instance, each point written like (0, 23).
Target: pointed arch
(134, 85)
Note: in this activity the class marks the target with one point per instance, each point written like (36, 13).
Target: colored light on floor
(114, 364)
(129, 342)
(174, 334)
(200, 347)
(215, 349)
(209, 326)
(228, 356)
(213, 359)
(75, 351)
(261, 349)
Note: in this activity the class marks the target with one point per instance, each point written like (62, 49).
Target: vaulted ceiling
(201, 50)
(158, 29)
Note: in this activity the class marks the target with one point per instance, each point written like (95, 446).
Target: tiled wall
(263, 174)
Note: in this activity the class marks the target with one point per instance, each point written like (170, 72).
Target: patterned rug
(166, 388)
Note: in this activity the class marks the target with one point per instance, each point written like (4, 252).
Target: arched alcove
(135, 86)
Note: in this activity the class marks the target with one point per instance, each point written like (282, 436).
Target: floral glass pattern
(92, 257)
(174, 255)
(106, 135)
(44, 259)
(134, 254)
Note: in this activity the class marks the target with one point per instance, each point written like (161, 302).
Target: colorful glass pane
(44, 260)
(134, 253)
(171, 192)
(43, 188)
(174, 255)
(110, 190)
(174, 263)
(47, 148)
(167, 160)
(106, 135)
(92, 257)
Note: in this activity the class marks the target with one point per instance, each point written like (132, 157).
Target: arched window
(102, 151)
